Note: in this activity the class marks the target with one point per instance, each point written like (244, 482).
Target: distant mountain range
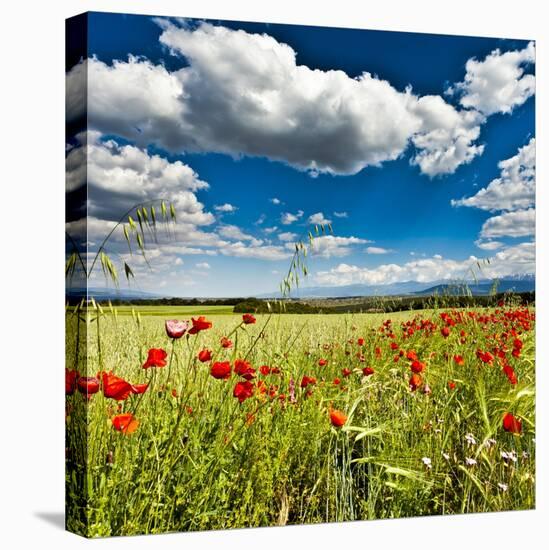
(516, 283)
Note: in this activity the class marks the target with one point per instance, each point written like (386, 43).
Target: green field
(198, 458)
(175, 312)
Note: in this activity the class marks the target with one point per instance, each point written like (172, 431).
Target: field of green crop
(298, 419)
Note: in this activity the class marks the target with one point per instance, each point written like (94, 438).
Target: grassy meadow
(320, 418)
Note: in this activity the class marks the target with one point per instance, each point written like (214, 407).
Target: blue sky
(384, 170)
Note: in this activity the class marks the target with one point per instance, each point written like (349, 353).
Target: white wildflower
(427, 461)
(503, 486)
(470, 461)
(446, 456)
(470, 438)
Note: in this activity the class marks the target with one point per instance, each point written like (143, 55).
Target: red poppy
(510, 373)
(337, 418)
(226, 343)
(346, 372)
(458, 359)
(516, 352)
(415, 381)
(378, 352)
(512, 424)
(156, 358)
(243, 390)
(174, 393)
(485, 356)
(204, 355)
(139, 388)
(337, 381)
(176, 329)
(115, 387)
(417, 366)
(394, 346)
(322, 362)
(411, 355)
(70, 381)
(367, 371)
(307, 381)
(199, 324)
(445, 331)
(452, 385)
(360, 341)
(221, 371)
(244, 369)
(88, 385)
(125, 423)
(265, 370)
(248, 319)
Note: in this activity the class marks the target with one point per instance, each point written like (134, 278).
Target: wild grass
(199, 459)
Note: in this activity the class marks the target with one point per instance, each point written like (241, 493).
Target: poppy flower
(510, 373)
(199, 324)
(394, 346)
(204, 355)
(415, 381)
(156, 358)
(360, 341)
(115, 387)
(244, 369)
(485, 356)
(337, 418)
(378, 352)
(221, 371)
(337, 381)
(445, 331)
(458, 360)
(346, 372)
(512, 424)
(174, 393)
(226, 343)
(175, 329)
(243, 390)
(411, 355)
(139, 388)
(88, 385)
(417, 367)
(70, 381)
(322, 362)
(125, 423)
(367, 371)
(248, 319)
(307, 381)
(451, 385)
(265, 370)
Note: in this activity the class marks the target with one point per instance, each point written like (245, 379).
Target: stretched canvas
(300, 271)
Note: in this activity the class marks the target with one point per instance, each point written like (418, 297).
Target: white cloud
(242, 93)
(328, 246)
(259, 252)
(276, 201)
(498, 83)
(489, 245)
(288, 236)
(377, 250)
(203, 265)
(510, 224)
(234, 232)
(341, 214)
(514, 189)
(512, 260)
(318, 219)
(227, 208)
(287, 218)
(270, 230)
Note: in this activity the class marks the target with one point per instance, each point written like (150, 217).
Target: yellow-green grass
(268, 461)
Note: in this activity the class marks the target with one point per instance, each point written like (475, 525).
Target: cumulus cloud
(488, 245)
(377, 250)
(341, 214)
(287, 236)
(328, 246)
(203, 265)
(288, 218)
(259, 252)
(319, 219)
(512, 260)
(234, 232)
(241, 93)
(498, 83)
(226, 208)
(510, 224)
(276, 201)
(514, 189)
